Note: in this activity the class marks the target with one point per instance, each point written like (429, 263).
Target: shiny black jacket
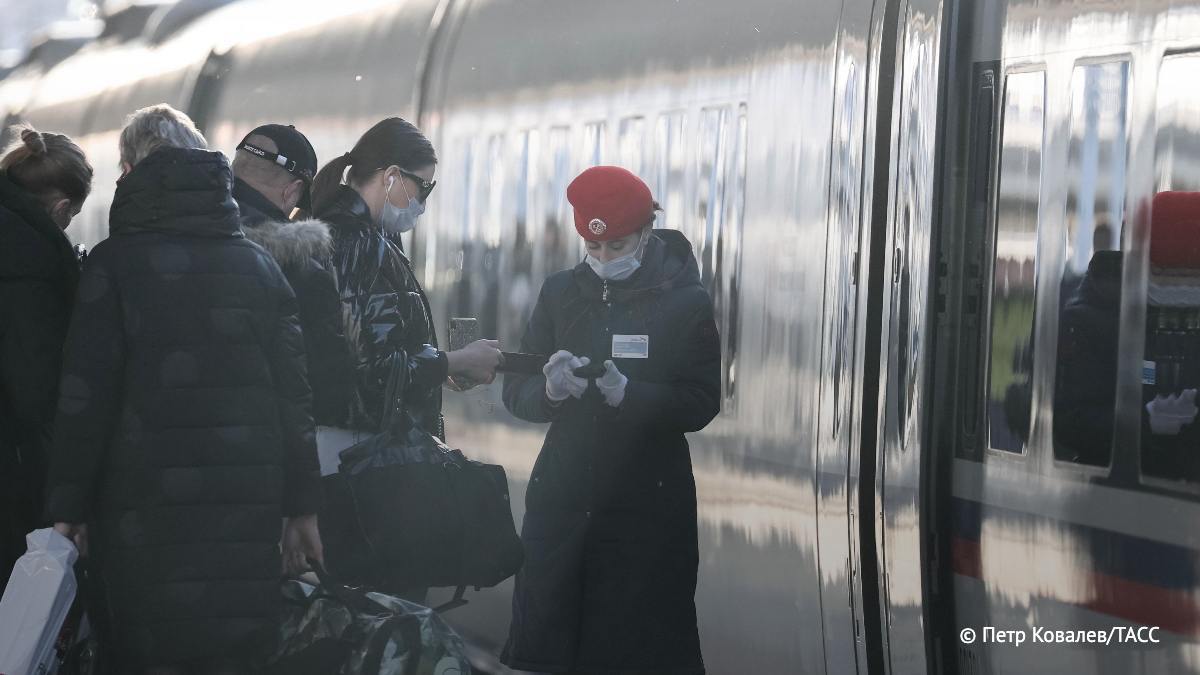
(387, 316)
(183, 434)
(303, 250)
(610, 533)
(38, 276)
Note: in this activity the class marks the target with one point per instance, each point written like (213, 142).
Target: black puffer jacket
(610, 534)
(387, 316)
(184, 432)
(38, 276)
(303, 250)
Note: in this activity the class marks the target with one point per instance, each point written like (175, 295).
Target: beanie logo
(597, 226)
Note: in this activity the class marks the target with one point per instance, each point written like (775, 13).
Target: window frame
(1029, 450)
(1063, 466)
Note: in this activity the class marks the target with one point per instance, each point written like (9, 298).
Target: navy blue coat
(610, 529)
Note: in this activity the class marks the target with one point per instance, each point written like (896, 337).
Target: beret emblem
(597, 226)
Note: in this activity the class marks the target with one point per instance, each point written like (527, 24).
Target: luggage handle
(339, 590)
(406, 625)
(455, 602)
(353, 598)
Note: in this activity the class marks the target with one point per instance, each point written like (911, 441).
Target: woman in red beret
(610, 525)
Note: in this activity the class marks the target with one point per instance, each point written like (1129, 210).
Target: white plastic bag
(36, 601)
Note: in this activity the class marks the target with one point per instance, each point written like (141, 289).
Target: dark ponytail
(47, 165)
(390, 141)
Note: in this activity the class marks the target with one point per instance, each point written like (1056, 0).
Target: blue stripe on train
(1133, 558)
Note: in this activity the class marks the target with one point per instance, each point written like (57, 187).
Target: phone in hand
(591, 371)
(462, 332)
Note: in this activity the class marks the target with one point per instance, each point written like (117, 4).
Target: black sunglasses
(424, 187)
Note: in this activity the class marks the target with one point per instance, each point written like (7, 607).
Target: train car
(949, 245)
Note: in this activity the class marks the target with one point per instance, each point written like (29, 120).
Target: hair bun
(32, 138)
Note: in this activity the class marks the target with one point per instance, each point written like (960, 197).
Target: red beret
(1175, 230)
(610, 203)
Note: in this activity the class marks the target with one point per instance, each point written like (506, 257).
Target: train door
(903, 218)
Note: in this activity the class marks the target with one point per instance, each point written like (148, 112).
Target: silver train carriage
(934, 439)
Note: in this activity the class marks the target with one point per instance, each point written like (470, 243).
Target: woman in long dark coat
(610, 525)
(44, 179)
(184, 433)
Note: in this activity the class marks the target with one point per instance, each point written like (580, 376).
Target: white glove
(612, 384)
(1168, 414)
(560, 381)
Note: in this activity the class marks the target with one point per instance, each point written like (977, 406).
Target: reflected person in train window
(610, 528)
(44, 180)
(1085, 393)
(1171, 364)
(370, 196)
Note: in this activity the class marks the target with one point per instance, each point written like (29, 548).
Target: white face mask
(396, 220)
(620, 268)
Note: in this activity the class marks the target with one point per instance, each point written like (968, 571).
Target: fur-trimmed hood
(292, 243)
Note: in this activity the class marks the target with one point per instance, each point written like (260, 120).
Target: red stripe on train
(1173, 610)
(1177, 611)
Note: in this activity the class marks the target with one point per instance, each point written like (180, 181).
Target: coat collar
(668, 263)
(347, 210)
(26, 247)
(177, 190)
(254, 207)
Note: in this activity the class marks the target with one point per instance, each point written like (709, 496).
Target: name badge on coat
(631, 346)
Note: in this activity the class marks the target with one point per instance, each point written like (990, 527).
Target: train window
(717, 235)
(493, 175)
(1089, 280)
(1171, 361)
(495, 190)
(631, 144)
(557, 225)
(519, 258)
(1010, 358)
(710, 193)
(730, 253)
(669, 144)
(593, 143)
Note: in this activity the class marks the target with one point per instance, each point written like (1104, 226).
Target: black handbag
(405, 511)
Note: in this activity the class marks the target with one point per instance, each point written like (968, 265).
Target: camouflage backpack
(331, 629)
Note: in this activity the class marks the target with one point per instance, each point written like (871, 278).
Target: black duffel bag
(405, 511)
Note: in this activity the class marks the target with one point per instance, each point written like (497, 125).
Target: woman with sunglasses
(370, 196)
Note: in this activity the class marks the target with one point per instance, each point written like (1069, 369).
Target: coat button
(588, 514)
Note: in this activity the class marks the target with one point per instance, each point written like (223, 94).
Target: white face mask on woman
(396, 220)
(623, 267)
